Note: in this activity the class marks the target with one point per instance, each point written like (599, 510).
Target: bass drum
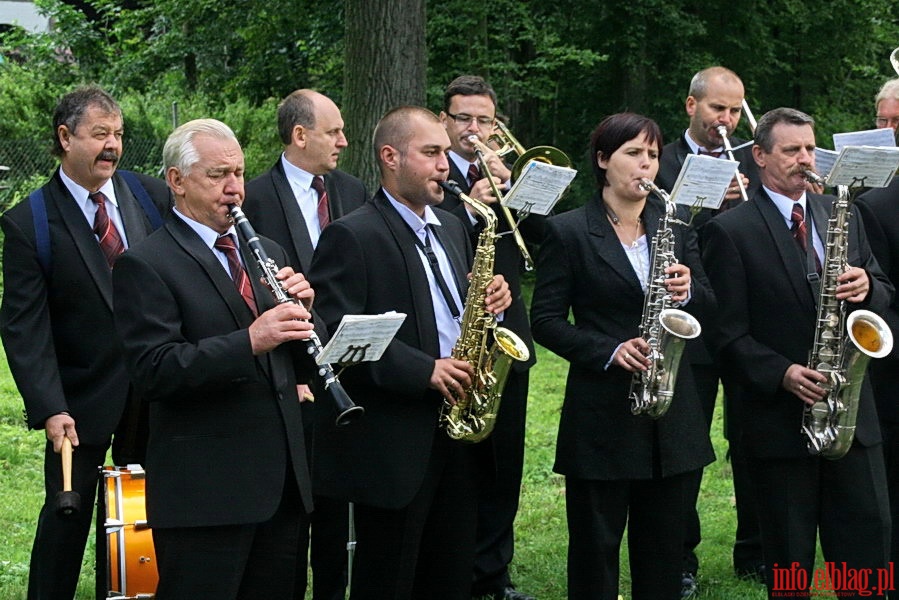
(131, 560)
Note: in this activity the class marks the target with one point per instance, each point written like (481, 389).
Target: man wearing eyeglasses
(469, 109)
(880, 215)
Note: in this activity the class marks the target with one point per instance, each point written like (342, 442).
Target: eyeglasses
(467, 119)
(887, 121)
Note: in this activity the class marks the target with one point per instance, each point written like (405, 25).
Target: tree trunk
(386, 66)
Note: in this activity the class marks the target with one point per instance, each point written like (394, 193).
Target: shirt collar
(82, 195)
(785, 204)
(461, 163)
(415, 223)
(206, 233)
(696, 147)
(296, 176)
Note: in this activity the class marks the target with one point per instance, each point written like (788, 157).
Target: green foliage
(27, 99)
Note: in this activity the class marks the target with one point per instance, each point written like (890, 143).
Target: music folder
(360, 338)
(538, 188)
(703, 180)
(868, 166)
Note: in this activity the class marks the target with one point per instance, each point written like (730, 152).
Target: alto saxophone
(843, 344)
(664, 328)
(472, 419)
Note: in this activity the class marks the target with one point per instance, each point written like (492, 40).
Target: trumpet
(722, 131)
(347, 412)
(894, 60)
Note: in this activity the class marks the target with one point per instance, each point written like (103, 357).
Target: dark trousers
(706, 379)
(323, 543)
(498, 503)
(843, 501)
(426, 549)
(598, 511)
(890, 432)
(250, 561)
(60, 541)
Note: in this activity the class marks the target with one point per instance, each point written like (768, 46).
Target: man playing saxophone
(414, 488)
(762, 258)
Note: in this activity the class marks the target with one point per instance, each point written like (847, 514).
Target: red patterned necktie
(474, 174)
(110, 241)
(800, 232)
(324, 216)
(225, 243)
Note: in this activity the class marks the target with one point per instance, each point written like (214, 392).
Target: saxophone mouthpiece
(812, 177)
(451, 186)
(646, 185)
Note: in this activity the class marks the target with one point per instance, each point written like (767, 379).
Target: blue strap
(41, 229)
(143, 197)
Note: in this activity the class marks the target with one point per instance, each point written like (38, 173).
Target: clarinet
(347, 412)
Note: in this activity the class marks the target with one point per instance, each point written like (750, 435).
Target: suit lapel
(296, 224)
(457, 261)
(425, 320)
(209, 264)
(137, 226)
(461, 178)
(786, 247)
(606, 245)
(84, 239)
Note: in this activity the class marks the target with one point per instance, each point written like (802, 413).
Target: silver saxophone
(844, 343)
(664, 328)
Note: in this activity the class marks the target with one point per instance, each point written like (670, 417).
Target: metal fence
(30, 160)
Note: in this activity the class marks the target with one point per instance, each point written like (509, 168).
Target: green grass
(541, 544)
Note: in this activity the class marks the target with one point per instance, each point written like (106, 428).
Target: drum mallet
(67, 502)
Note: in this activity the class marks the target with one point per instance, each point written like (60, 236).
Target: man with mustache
(56, 319)
(761, 259)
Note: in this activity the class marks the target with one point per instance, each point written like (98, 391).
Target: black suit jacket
(225, 426)
(272, 209)
(673, 157)
(880, 213)
(368, 263)
(766, 317)
(58, 330)
(582, 269)
(507, 260)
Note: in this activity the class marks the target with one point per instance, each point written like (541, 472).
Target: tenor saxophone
(472, 418)
(844, 344)
(664, 328)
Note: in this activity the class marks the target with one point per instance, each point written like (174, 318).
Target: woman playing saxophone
(620, 468)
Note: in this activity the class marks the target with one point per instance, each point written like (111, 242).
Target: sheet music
(871, 137)
(539, 187)
(865, 166)
(361, 338)
(824, 160)
(703, 181)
